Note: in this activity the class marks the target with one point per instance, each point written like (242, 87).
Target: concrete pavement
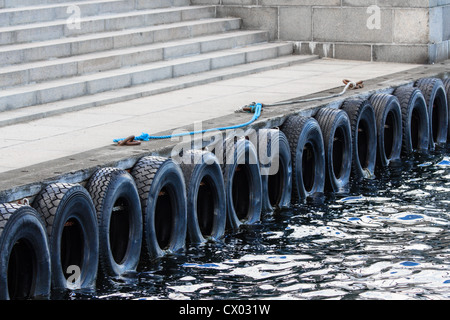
(51, 138)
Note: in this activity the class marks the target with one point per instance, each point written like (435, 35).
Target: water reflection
(388, 238)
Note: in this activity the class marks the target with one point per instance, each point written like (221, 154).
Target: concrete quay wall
(27, 182)
(411, 31)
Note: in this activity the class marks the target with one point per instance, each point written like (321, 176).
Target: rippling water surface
(389, 238)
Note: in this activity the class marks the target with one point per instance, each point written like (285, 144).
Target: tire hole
(241, 191)
(363, 144)
(206, 206)
(389, 134)
(415, 128)
(308, 167)
(435, 120)
(119, 230)
(72, 245)
(276, 186)
(338, 152)
(21, 271)
(164, 212)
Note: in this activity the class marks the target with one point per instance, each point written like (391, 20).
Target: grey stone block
(262, 53)
(401, 53)
(254, 37)
(300, 2)
(38, 33)
(85, 27)
(142, 56)
(7, 38)
(217, 26)
(9, 79)
(17, 100)
(439, 52)
(36, 53)
(171, 33)
(191, 67)
(240, 2)
(228, 61)
(295, 23)
(176, 51)
(105, 83)
(60, 92)
(437, 24)
(262, 18)
(200, 13)
(352, 51)
(217, 44)
(92, 45)
(99, 64)
(126, 40)
(408, 4)
(146, 4)
(350, 25)
(113, 6)
(180, 3)
(445, 23)
(132, 21)
(315, 48)
(411, 26)
(387, 3)
(28, 16)
(4, 19)
(286, 49)
(151, 75)
(197, 2)
(53, 71)
(11, 57)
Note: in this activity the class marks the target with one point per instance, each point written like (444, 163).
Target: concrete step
(72, 46)
(25, 3)
(67, 88)
(125, 94)
(102, 23)
(138, 4)
(60, 11)
(33, 72)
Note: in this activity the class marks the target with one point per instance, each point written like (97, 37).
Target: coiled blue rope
(255, 108)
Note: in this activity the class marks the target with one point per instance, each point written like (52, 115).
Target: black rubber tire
(25, 271)
(162, 192)
(116, 200)
(206, 200)
(364, 137)
(304, 133)
(71, 224)
(388, 114)
(436, 97)
(243, 185)
(415, 124)
(336, 131)
(447, 89)
(276, 169)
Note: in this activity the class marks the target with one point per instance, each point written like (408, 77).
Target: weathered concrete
(122, 49)
(413, 31)
(27, 181)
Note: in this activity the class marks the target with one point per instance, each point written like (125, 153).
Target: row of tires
(71, 233)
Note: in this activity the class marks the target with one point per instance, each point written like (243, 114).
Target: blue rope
(256, 108)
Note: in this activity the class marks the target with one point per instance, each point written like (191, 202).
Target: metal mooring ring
(129, 142)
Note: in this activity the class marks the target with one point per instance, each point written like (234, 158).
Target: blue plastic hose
(255, 108)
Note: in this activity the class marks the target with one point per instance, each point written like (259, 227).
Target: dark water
(389, 238)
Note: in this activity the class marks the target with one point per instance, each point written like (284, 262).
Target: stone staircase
(59, 56)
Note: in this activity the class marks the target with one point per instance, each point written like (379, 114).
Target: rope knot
(251, 108)
(354, 85)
